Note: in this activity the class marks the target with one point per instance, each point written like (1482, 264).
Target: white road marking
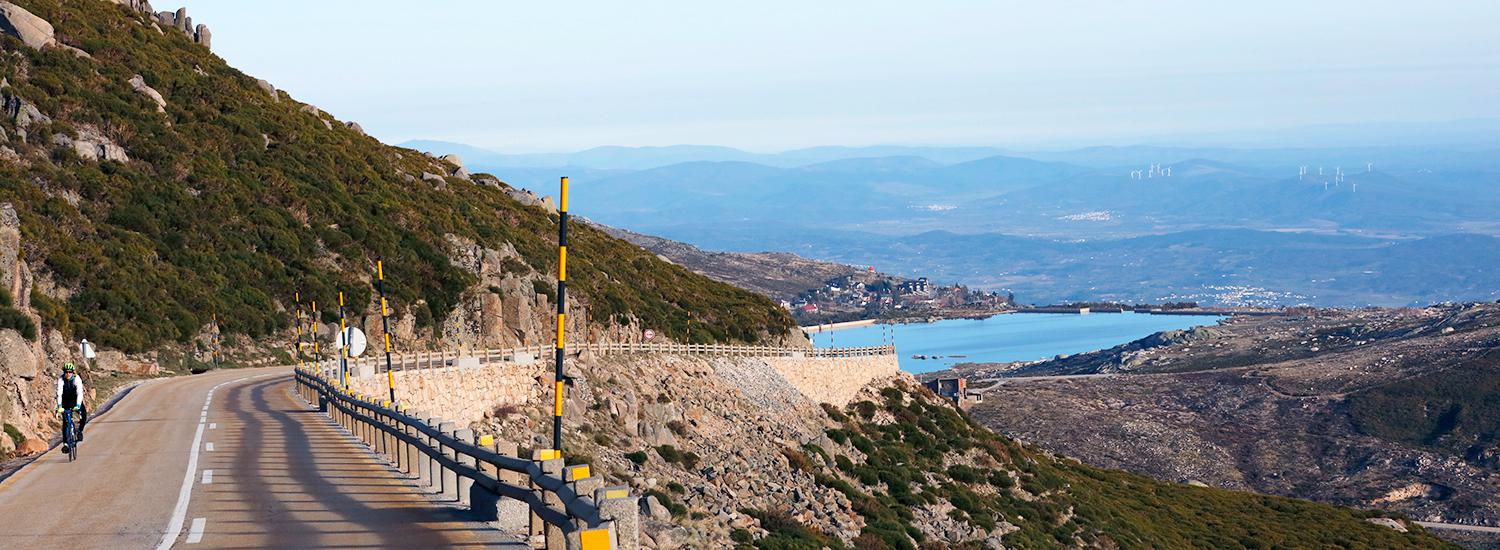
(213, 426)
(195, 533)
(179, 513)
(208, 477)
(208, 446)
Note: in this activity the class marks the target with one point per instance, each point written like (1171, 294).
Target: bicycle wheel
(70, 437)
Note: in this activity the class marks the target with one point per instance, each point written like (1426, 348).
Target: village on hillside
(873, 295)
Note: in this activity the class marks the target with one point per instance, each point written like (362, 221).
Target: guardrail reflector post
(577, 472)
(623, 513)
(596, 539)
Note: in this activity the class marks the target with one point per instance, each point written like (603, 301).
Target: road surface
(228, 459)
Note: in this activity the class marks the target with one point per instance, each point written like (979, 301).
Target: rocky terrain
(730, 454)
(1370, 408)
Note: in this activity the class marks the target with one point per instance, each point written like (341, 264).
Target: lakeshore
(1004, 338)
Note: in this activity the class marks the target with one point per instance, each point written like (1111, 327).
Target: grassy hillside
(918, 453)
(233, 198)
(1456, 411)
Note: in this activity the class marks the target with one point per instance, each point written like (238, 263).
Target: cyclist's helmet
(68, 367)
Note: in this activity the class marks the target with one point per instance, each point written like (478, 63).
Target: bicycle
(70, 439)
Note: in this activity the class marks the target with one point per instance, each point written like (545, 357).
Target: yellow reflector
(594, 539)
(617, 493)
(486, 440)
(580, 471)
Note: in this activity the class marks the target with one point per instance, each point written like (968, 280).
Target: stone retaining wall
(833, 380)
(468, 392)
(462, 394)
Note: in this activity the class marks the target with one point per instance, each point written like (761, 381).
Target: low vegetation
(1456, 411)
(919, 454)
(232, 200)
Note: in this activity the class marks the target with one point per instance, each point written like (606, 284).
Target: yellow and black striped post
(562, 313)
(298, 297)
(344, 346)
(385, 328)
(317, 351)
(216, 340)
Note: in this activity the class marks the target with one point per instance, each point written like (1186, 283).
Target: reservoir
(1008, 337)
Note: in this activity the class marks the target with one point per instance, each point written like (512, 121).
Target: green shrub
(638, 457)
(17, 321)
(798, 461)
(15, 435)
(669, 454)
(678, 510)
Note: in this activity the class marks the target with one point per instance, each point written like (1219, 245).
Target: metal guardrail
(448, 358)
(568, 507)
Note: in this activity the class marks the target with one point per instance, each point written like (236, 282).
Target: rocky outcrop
(34, 31)
(10, 249)
(179, 20)
(23, 114)
(138, 83)
(269, 89)
(92, 145)
(114, 361)
(526, 197)
(316, 113)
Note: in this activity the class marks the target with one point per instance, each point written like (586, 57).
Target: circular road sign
(356, 339)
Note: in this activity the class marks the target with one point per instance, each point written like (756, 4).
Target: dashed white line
(208, 477)
(195, 533)
(179, 512)
(213, 426)
(208, 446)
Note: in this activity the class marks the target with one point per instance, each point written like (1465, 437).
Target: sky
(773, 75)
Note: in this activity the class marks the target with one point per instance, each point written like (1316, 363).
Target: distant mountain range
(1338, 226)
(640, 158)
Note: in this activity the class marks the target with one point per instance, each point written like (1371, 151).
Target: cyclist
(70, 398)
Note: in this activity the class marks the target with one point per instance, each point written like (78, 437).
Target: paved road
(227, 459)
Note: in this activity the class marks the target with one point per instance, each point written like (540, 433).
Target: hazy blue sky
(769, 75)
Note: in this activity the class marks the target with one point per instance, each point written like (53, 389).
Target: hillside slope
(233, 195)
(778, 275)
(147, 186)
(733, 455)
(1394, 409)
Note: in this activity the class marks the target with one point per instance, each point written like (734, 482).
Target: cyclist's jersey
(69, 392)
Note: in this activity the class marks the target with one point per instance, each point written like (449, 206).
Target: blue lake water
(1009, 337)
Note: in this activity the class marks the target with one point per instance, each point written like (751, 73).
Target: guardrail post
(512, 514)
(424, 464)
(465, 485)
(555, 538)
(450, 477)
(580, 478)
(484, 504)
(624, 512)
(382, 438)
(404, 450)
(537, 528)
